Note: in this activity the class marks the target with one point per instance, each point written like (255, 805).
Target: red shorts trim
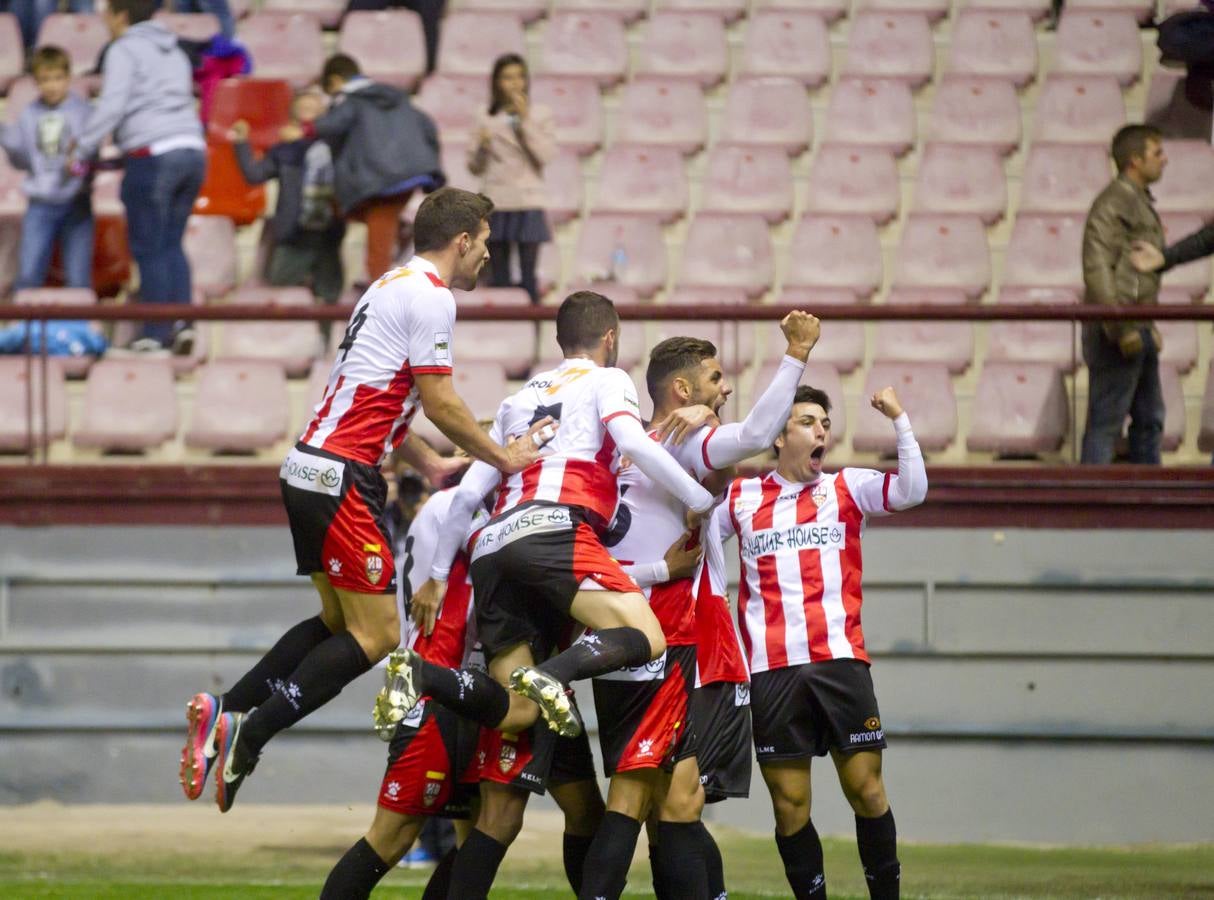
(591, 560)
(643, 722)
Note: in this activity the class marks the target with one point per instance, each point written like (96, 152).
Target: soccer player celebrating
(799, 601)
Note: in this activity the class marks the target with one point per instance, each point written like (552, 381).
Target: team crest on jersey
(434, 785)
(375, 569)
(818, 494)
(505, 759)
(872, 723)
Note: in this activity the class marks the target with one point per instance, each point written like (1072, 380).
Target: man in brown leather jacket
(1123, 356)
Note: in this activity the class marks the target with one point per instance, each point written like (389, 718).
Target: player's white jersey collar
(420, 264)
(784, 482)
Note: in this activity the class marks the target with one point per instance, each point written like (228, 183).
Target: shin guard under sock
(681, 855)
(713, 863)
(475, 867)
(256, 686)
(802, 855)
(355, 874)
(610, 855)
(599, 653)
(439, 884)
(471, 693)
(877, 840)
(575, 847)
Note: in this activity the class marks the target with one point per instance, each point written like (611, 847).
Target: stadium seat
(951, 343)
(994, 44)
(1192, 278)
(327, 12)
(642, 179)
(388, 44)
(239, 407)
(887, 44)
(189, 26)
(454, 102)
(934, 10)
(481, 385)
(734, 355)
(1056, 343)
(663, 111)
(835, 252)
(15, 418)
(1205, 437)
(11, 52)
(1187, 185)
(508, 344)
(577, 110)
(624, 10)
(1037, 9)
(1079, 109)
(563, 180)
(1175, 104)
(828, 10)
(768, 111)
(1142, 10)
(1174, 408)
(1104, 42)
(754, 179)
(859, 181)
(1180, 339)
(285, 45)
(1063, 178)
(526, 11)
(969, 110)
(1045, 251)
(593, 45)
(728, 250)
(725, 10)
(1019, 409)
(210, 246)
(944, 252)
(873, 112)
(678, 44)
(470, 42)
(291, 345)
(496, 296)
(923, 388)
(224, 190)
(265, 103)
(453, 157)
(704, 295)
(129, 405)
(626, 249)
(844, 347)
(961, 179)
(80, 36)
(821, 375)
(787, 44)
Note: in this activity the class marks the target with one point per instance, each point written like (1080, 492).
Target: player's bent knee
(391, 834)
(868, 799)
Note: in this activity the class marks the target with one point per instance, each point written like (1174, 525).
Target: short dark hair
(583, 319)
(497, 100)
(340, 65)
(1131, 141)
(136, 10)
(672, 357)
(446, 214)
(48, 56)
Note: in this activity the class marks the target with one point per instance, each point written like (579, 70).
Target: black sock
(802, 855)
(469, 692)
(877, 840)
(713, 863)
(661, 878)
(319, 678)
(475, 867)
(355, 874)
(575, 849)
(610, 855)
(599, 653)
(680, 850)
(439, 884)
(257, 684)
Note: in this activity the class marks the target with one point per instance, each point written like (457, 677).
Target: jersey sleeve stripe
(704, 448)
(885, 492)
(620, 412)
(431, 370)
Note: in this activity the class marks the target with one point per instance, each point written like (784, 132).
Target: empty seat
(189, 26)
(769, 111)
(481, 385)
(754, 179)
(563, 180)
(1079, 109)
(1205, 437)
(1019, 408)
(17, 426)
(874, 112)
(887, 44)
(844, 342)
(625, 249)
(1056, 343)
(577, 110)
(725, 10)
(965, 179)
(285, 45)
(129, 405)
(508, 344)
(829, 10)
(1045, 251)
(1063, 178)
(641, 179)
(210, 247)
(925, 390)
(971, 110)
(951, 343)
(728, 251)
(292, 345)
(1098, 43)
(944, 252)
(11, 51)
(593, 45)
(1187, 185)
(470, 42)
(1180, 340)
(388, 44)
(624, 10)
(663, 112)
(327, 12)
(80, 36)
(265, 103)
(523, 10)
(934, 10)
(835, 252)
(991, 43)
(787, 44)
(688, 45)
(1037, 9)
(1142, 10)
(454, 102)
(1174, 410)
(821, 375)
(239, 407)
(855, 180)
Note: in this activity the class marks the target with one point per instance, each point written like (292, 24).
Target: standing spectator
(1123, 356)
(384, 148)
(147, 101)
(59, 208)
(429, 11)
(513, 143)
(307, 230)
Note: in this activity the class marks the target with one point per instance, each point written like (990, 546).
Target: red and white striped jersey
(401, 327)
(801, 566)
(718, 651)
(578, 466)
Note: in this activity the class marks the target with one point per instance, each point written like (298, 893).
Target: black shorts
(808, 710)
(336, 510)
(533, 760)
(527, 566)
(720, 739)
(431, 769)
(643, 717)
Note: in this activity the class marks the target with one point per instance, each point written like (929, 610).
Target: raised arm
(882, 494)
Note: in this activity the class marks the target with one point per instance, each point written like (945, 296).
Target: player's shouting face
(473, 254)
(803, 442)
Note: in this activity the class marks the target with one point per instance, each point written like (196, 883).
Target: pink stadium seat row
(787, 44)
(748, 180)
(388, 44)
(854, 180)
(129, 406)
(678, 44)
(771, 111)
(15, 418)
(286, 45)
(963, 179)
(577, 109)
(1098, 42)
(239, 407)
(924, 387)
(643, 180)
(944, 252)
(1019, 408)
(291, 345)
(884, 43)
(874, 112)
(975, 110)
(471, 41)
(626, 249)
(951, 343)
(664, 112)
(994, 44)
(732, 251)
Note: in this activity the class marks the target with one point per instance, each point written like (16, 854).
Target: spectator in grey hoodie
(147, 101)
(58, 207)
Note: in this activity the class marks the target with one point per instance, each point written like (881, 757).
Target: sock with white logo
(802, 855)
(599, 653)
(606, 869)
(713, 863)
(330, 666)
(355, 874)
(574, 849)
(681, 859)
(471, 693)
(255, 687)
(475, 867)
(439, 884)
(877, 840)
